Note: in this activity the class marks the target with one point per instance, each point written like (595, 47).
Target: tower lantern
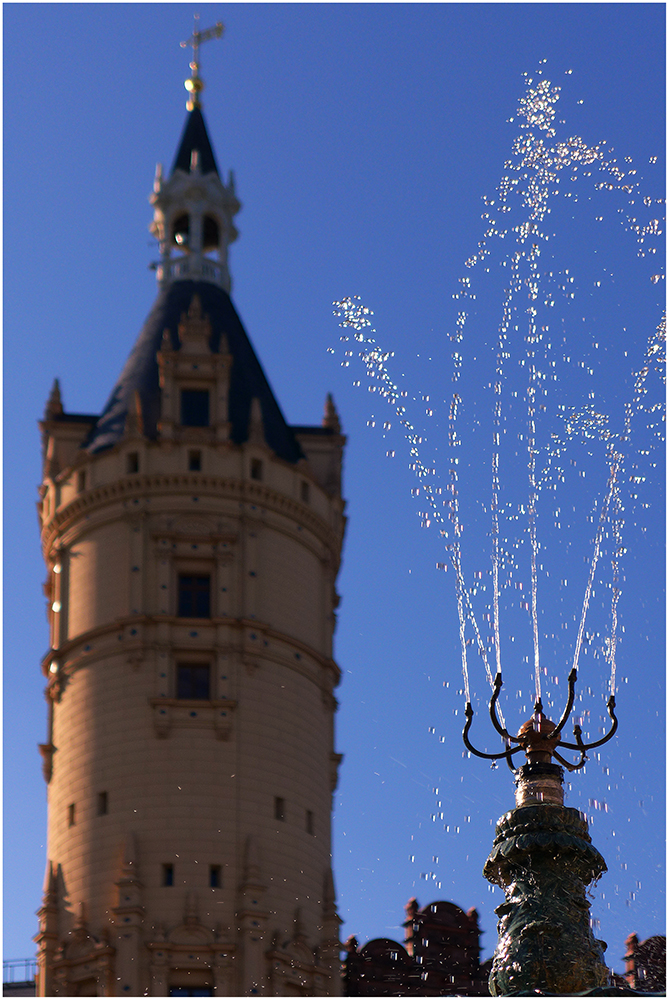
(193, 208)
(192, 540)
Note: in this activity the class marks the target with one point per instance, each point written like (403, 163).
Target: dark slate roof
(318, 430)
(195, 137)
(247, 379)
(72, 418)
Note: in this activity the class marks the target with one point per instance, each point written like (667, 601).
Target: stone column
(252, 916)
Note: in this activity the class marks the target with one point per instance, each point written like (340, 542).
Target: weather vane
(539, 737)
(194, 84)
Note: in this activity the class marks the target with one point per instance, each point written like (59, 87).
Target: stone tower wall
(141, 778)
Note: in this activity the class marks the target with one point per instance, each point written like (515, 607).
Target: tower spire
(194, 84)
(194, 207)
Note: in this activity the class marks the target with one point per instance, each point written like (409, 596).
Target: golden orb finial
(194, 84)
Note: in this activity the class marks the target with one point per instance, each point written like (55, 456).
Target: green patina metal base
(544, 860)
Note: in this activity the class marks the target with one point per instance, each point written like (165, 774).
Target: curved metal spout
(571, 680)
(565, 763)
(469, 715)
(580, 745)
(493, 711)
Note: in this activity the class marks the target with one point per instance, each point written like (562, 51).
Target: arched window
(210, 234)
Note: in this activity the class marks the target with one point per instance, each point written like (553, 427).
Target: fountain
(542, 856)
(544, 860)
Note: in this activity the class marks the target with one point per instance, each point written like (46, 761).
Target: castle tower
(192, 542)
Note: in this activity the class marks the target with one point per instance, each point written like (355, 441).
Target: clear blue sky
(363, 138)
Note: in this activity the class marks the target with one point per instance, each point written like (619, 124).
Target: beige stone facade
(190, 757)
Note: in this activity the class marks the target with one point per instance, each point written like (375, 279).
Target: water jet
(543, 857)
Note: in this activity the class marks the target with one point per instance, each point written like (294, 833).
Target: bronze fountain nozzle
(536, 738)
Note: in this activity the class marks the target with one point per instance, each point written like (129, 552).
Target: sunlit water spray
(528, 336)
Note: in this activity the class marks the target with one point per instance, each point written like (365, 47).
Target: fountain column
(544, 860)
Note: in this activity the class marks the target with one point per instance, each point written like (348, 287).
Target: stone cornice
(199, 703)
(133, 644)
(221, 487)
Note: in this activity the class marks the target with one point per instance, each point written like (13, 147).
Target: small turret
(47, 936)
(193, 212)
(54, 405)
(330, 415)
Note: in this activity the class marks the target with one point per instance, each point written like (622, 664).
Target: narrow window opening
(168, 874)
(210, 235)
(194, 596)
(132, 462)
(310, 822)
(215, 876)
(81, 481)
(279, 808)
(304, 492)
(256, 468)
(193, 681)
(194, 408)
(103, 804)
(58, 495)
(195, 461)
(71, 818)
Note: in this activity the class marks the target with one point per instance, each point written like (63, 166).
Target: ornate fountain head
(539, 780)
